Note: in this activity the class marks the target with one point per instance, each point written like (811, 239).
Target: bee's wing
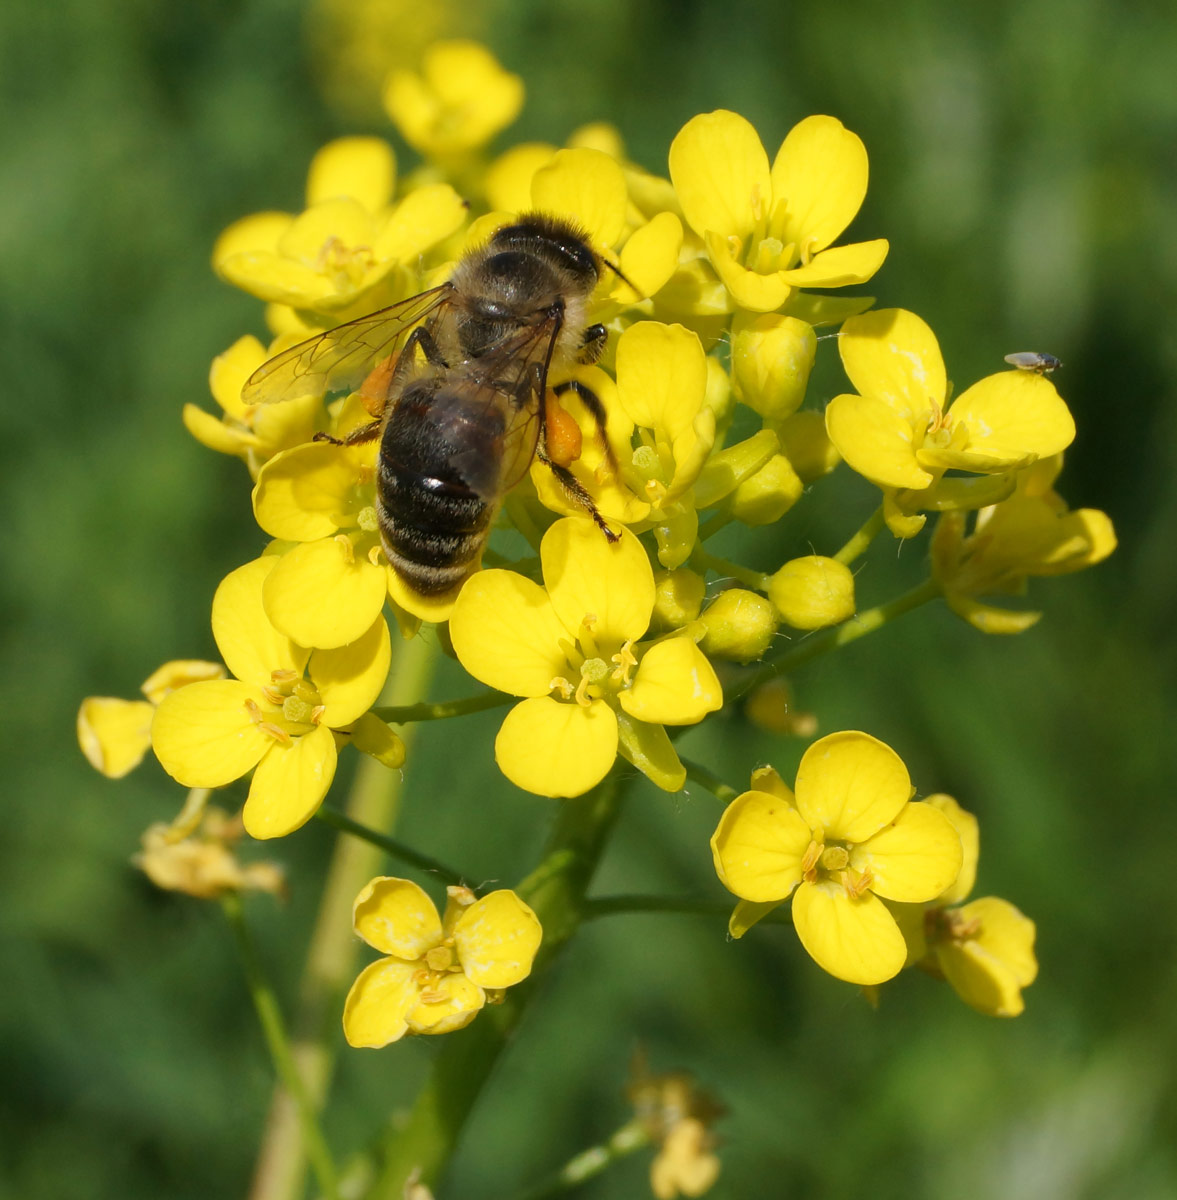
(339, 359)
(532, 354)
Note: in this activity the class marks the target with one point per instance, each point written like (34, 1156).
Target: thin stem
(613, 906)
(333, 951)
(713, 525)
(390, 846)
(281, 1053)
(405, 714)
(588, 1164)
(862, 539)
(838, 635)
(724, 567)
(723, 792)
(555, 891)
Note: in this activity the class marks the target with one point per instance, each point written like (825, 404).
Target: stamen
(348, 549)
(626, 661)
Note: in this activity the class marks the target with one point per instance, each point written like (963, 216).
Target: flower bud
(813, 592)
(772, 356)
(807, 445)
(739, 624)
(767, 495)
(771, 707)
(678, 597)
(371, 735)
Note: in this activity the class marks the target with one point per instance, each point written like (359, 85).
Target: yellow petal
(758, 846)
(587, 576)
(178, 673)
(748, 913)
(989, 618)
(289, 784)
(250, 645)
(214, 433)
(853, 939)
(452, 1004)
(363, 168)
(376, 1010)
(350, 678)
(820, 172)
(397, 917)
(587, 186)
(876, 441)
(851, 785)
(989, 969)
(753, 290)
(230, 370)
(423, 218)
(1014, 413)
(968, 830)
(425, 608)
(674, 685)
(323, 594)
(203, 735)
(275, 278)
(720, 173)
(661, 376)
(508, 178)
(649, 258)
(496, 939)
(340, 221)
(914, 858)
(892, 355)
(303, 494)
(842, 266)
(258, 231)
(557, 749)
(1006, 933)
(114, 734)
(505, 632)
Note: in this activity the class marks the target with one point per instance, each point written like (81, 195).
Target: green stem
(838, 635)
(723, 792)
(333, 951)
(588, 1164)
(405, 714)
(756, 580)
(281, 1053)
(393, 848)
(862, 539)
(612, 906)
(713, 525)
(555, 890)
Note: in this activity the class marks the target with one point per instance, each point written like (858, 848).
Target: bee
(459, 377)
(1033, 360)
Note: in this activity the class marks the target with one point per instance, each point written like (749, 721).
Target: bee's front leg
(592, 344)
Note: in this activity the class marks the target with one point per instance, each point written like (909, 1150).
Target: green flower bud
(807, 445)
(371, 735)
(772, 356)
(740, 625)
(767, 495)
(813, 592)
(678, 597)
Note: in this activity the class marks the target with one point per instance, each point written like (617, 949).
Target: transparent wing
(339, 359)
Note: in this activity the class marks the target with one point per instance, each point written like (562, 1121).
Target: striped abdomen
(436, 484)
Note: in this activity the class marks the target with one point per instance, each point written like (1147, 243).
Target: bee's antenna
(621, 275)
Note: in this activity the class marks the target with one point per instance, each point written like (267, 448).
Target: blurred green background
(1023, 167)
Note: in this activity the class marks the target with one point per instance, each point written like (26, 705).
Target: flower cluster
(691, 415)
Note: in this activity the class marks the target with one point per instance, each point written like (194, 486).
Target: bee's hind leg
(596, 410)
(576, 491)
(357, 437)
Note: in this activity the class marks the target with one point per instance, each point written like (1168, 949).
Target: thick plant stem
(556, 891)
(332, 955)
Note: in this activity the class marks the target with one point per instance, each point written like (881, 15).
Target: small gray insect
(1033, 360)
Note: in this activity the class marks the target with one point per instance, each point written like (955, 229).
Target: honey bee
(460, 376)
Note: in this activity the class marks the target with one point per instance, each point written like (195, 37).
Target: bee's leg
(423, 338)
(575, 489)
(592, 344)
(596, 410)
(357, 437)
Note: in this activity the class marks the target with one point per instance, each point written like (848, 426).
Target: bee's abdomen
(433, 523)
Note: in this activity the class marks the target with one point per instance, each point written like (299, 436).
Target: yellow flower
(769, 230)
(439, 971)
(277, 715)
(1031, 533)
(204, 865)
(900, 432)
(845, 841)
(458, 102)
(338, 258)
(571, 649)
(251, 432)
(984, 949)
(114, 734)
